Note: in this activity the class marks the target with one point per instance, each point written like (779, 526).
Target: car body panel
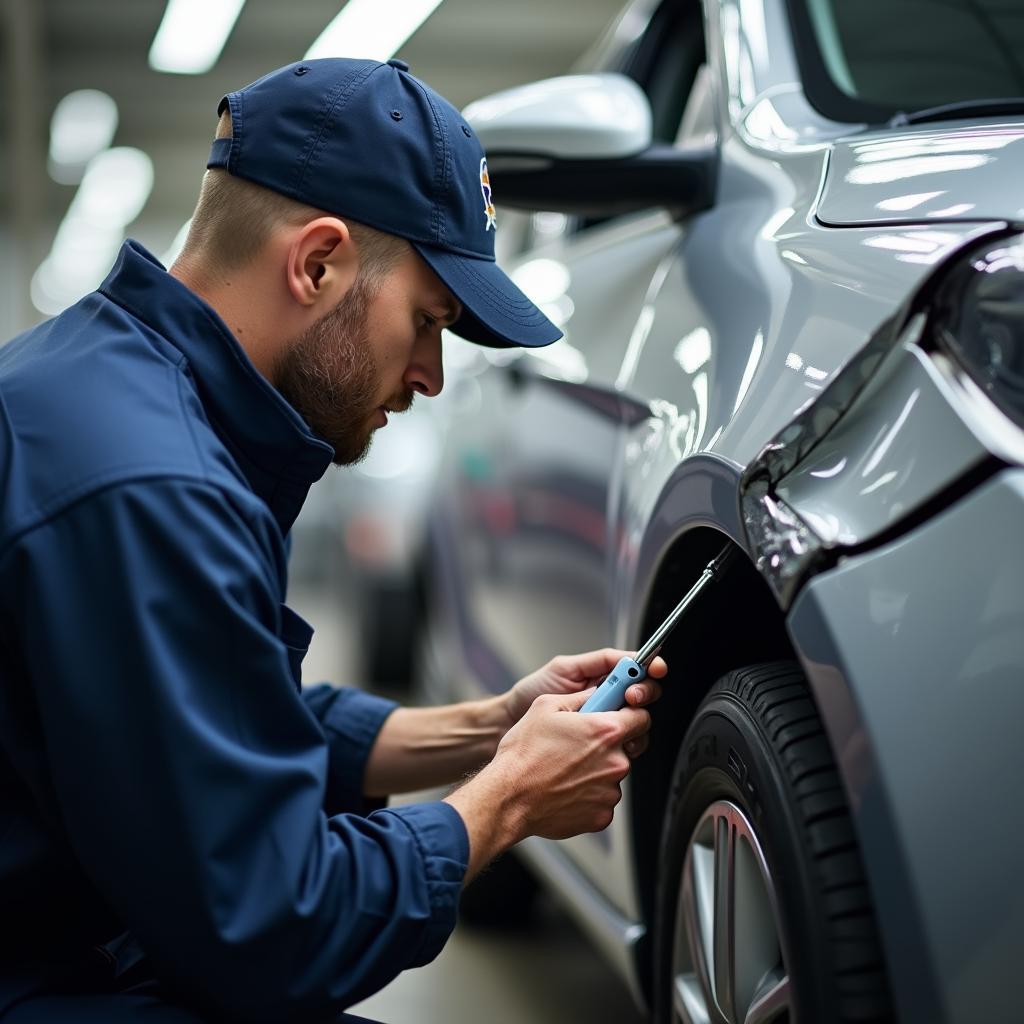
(890, 178)
(895, 449)
(914, 653)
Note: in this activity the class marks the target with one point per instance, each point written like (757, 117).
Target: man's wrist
(493, 812)
(478, 727)
(496, 714)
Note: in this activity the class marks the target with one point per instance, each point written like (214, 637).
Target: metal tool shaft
(713, 571)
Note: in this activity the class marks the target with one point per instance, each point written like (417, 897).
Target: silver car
(783, 241)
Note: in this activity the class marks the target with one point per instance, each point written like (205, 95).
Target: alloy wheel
(728, 965)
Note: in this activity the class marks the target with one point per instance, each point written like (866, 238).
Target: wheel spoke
(688, 1002)
(698, 910)
(770, 1001)
(724, 964)
(757, 952)
(680, 1010)
(728, 965)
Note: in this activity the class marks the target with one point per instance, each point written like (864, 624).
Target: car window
(871, 59)
(665, 62)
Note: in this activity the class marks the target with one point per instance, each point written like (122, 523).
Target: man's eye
(429, 321)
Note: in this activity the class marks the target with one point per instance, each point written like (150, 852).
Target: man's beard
(330, 378)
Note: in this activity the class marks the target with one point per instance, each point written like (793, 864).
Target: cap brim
(495, 311)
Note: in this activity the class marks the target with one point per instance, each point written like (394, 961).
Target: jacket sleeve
(350, 720)
(190, 774)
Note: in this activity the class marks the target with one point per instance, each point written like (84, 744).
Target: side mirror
(582, 144)
(604, 116)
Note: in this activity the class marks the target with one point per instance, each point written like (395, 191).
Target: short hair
(235, 218)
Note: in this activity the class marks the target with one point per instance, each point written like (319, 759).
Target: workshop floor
(546, 973)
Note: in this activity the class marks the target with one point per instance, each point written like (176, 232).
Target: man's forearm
(419, 748)
(491, 810)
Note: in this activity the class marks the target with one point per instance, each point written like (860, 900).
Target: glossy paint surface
(899, 446)
(604, 115)
(892, 177)
(914, 652)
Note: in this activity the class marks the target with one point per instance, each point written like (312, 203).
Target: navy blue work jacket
(166, 788)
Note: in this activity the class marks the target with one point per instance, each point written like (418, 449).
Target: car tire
(788, 933)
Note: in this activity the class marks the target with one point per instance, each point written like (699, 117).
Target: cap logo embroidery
(485, 188)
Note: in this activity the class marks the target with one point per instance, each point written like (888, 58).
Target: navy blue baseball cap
(369, 141)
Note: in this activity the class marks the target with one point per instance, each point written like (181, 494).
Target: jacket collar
(275, 449)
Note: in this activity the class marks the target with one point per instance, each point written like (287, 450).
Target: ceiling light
(372, 29)
(192, 34)
(83, 124)
(115, 187)
(114, 190)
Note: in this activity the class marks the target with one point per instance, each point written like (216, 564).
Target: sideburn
(329, 376)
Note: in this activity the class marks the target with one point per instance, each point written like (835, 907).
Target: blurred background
(110, 105)
(108, 111)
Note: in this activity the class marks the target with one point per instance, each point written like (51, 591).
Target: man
(184, 834)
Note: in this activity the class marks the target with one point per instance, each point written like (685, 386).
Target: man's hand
(572, 673)
(556, 774)
(422, 747)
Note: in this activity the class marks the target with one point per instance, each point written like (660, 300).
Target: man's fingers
(634, 721)
(574, 701)
(643, 693)
(635, 747)
(657, 668)
(590, 664)
(595, 665)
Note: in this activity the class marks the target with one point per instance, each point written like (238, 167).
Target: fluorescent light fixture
(192, 34)
(83, 124)
(372, 29)
(115, 188)
(113, 192)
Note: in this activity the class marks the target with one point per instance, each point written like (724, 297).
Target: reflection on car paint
(866, 175)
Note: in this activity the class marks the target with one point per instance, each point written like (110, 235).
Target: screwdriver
(611, 694)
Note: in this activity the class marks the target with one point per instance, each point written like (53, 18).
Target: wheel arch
(735, 623)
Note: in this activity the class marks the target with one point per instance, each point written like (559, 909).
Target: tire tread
(778, 696)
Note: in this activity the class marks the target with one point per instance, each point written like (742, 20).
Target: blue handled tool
(611, 694)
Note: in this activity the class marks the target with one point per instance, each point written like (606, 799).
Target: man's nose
(425, 375)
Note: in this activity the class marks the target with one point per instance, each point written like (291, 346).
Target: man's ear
(322, 263)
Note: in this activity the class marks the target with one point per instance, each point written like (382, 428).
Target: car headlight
(977, 317)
